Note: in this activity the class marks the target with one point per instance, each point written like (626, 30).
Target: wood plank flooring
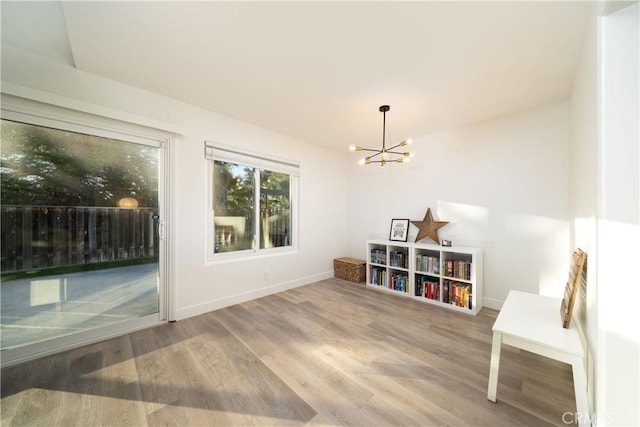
(329, 353)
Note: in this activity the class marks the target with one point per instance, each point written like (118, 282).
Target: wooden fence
(35, 237)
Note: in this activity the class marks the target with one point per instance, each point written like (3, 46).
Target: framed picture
(399, 230)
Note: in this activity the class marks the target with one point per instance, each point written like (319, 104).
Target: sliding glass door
(81, 246)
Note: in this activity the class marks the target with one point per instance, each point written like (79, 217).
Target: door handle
(161, 229)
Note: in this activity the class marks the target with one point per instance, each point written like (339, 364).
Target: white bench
(531, 322)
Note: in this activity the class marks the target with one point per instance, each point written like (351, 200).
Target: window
(254, 204)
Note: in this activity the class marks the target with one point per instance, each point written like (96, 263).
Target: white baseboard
(197, 309)
(493, 303)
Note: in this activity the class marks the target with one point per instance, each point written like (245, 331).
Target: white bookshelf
(448, 277)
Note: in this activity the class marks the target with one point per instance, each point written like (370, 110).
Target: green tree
(50, 167)
(234, 186)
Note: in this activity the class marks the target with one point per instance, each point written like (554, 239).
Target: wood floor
(329, 353)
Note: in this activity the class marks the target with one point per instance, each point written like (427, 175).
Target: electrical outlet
(266, 276)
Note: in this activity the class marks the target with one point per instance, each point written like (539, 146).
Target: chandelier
(385, 155)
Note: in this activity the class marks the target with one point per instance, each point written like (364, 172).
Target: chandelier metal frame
(387, 155)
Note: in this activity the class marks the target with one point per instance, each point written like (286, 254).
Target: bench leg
(580, 389)
(495, 366)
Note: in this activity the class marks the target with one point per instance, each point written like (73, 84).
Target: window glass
(233, 206)
(275, 214)
(80, 247)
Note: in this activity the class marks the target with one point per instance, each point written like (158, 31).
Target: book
(458, 269)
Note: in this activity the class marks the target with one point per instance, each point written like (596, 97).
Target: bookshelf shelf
(449, 277)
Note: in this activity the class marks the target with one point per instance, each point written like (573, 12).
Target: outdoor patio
(52, 306)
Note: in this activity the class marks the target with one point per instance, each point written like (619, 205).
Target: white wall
(503, 185)
(620, 153)
(619, 225)
(201, 286)
(605, 201)
(584, 185)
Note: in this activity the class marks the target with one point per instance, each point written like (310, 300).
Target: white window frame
(219, 152)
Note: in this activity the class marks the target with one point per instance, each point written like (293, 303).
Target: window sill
(230, 257)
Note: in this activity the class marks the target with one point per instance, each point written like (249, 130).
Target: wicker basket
(350, 269)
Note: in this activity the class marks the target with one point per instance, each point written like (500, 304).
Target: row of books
(424, 263)
(427, 288)
(456, 293)
(457, 269)
(428, 264)
(378, 276)
(399, 282)
(378, 256)
(451, 291)
(398, 259)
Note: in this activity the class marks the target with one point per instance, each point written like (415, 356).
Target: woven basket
(350, 269)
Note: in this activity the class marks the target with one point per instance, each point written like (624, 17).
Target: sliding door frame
(47, 115)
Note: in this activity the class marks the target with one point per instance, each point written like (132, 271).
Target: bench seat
(530, 322)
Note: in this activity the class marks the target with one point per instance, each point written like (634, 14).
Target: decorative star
(428, 227)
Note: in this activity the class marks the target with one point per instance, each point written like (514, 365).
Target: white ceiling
(318, 71)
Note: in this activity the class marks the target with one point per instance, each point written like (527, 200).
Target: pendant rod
(384, 109)
(384, 126)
